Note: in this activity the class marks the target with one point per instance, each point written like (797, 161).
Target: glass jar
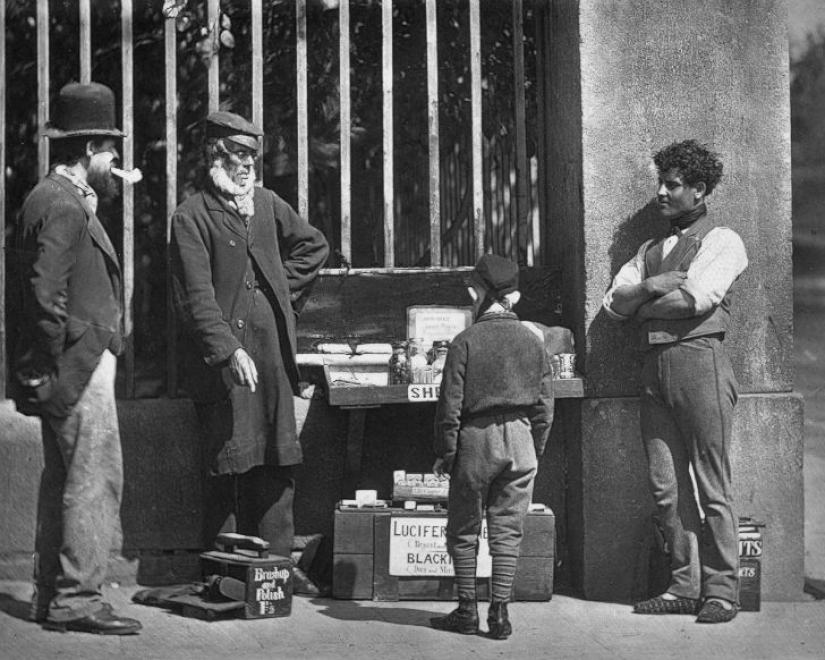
(440, 349)
(417, 355)
(399, 372)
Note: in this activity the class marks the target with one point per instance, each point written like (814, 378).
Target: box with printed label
(398, 554)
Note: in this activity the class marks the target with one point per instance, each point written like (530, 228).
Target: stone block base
(611, 526)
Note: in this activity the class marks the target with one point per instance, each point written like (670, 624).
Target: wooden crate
(362, 560)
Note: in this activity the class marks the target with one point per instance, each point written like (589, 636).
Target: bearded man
(64, 367)
(240, 258)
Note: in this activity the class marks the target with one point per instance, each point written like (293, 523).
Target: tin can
(567, 365)
(750, 564)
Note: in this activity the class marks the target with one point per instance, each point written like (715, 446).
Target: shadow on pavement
(11, 605)
(351, 610)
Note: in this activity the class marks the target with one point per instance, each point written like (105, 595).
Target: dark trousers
(495, 469)
(78, 513)
(688, 396)
(256, 503)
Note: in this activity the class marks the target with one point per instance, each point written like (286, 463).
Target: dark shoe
(41, 599)
(463, 620)
(498, 621)
(661, 605)
(103, 622)
(714, 612)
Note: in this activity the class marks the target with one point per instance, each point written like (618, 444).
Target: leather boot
(498, 620)
(463, 620)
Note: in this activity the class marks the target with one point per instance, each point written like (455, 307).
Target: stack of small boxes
(419, 492)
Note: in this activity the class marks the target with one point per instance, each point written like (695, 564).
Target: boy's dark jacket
(498, 365)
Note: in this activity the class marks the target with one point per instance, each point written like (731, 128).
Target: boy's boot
(498, 621)
(462, 620)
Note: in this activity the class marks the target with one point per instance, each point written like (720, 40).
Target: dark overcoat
(70, 283)
(218, 264)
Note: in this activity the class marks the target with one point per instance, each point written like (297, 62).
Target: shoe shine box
(267, 578)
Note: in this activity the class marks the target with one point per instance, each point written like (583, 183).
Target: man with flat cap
(64, 366)
(240, 259)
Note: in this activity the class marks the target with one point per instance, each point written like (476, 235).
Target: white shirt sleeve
(630, 274)
(721, 259)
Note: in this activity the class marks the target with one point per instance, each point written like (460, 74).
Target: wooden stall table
(371, 306)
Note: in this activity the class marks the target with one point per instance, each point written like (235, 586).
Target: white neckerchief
(83, 187)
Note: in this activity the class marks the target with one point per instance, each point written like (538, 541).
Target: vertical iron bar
(303, 112)
(522, 170)
(127, 154)
(42, 86)
(477, 135)
(389, 158)
(346, 130)
(257, 64)
(171, 193)
(435, 149)
(213, 17)
(85, 42)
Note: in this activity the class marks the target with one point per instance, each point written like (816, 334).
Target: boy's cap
(496, 275)
(228, 125)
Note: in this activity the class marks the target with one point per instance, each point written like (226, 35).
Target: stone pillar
(624, 80)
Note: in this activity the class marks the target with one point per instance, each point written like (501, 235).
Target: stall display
(394, 554)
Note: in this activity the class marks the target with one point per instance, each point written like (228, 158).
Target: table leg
(355, 451)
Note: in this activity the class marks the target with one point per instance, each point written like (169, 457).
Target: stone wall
(643, 74)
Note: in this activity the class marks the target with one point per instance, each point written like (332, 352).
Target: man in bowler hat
(241, 258)
(64, 367)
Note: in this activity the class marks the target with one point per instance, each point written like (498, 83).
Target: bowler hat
(497, 275)
(228, 125)
(83, 109)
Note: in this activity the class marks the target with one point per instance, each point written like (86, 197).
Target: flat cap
(497, 275)
(223, 124)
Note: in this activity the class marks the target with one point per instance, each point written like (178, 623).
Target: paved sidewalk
(363, 630)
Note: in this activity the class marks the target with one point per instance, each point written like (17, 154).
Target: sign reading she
(418, 548)
(423, 392)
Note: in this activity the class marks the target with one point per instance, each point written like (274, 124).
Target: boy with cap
(492, 422)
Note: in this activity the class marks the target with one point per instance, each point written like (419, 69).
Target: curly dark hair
(694, 161)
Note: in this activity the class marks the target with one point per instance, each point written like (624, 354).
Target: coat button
(232, 242)
(240, 323)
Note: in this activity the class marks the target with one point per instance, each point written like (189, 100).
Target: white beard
(241, 196)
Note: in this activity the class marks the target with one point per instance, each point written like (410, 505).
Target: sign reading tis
(418, 547)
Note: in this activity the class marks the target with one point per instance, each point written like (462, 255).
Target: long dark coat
(70, 282)
(220, 269)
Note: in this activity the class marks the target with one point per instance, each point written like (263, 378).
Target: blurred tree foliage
(808, 101)
(231, 40)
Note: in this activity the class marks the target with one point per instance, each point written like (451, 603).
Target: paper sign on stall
(418, 548)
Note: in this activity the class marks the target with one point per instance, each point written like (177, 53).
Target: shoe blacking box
(395, 554)
(267, 578)
(750, 565)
